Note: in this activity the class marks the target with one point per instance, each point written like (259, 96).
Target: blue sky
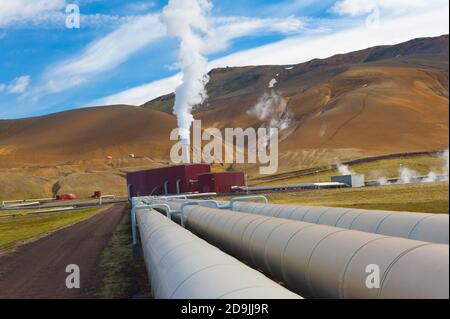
(121, 54)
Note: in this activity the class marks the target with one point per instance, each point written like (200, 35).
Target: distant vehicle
(66, 197)
(97, 194)
(109, 157)
(132, 155)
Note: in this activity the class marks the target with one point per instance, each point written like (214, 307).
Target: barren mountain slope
(86, 134)
(382, 100)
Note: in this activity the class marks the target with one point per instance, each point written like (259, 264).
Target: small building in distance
(354, 181)
(172, 180)
(221, 183)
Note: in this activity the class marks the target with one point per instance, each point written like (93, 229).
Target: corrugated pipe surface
(320, 261)
(182, 266)
(425, 227)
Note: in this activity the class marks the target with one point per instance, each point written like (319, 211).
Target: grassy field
(427, 198)
(14, 230)
(123, 276)
(25, 211)
(388, 168)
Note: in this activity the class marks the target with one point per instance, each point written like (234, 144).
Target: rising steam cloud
(272, 109)
(344, 169)
(436, 176)
(408, 175)
(186, 20)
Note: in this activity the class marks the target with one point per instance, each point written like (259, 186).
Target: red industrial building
(166, 181)
(191, 178)
(221, 183)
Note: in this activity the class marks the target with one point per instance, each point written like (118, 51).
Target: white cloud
(140, 6)
(288, 7)
(102, 55)
(140, 95)
(304, 48)
(19, 85)
(360, 7)
(2, 87)
(299, 49)
(115, 48)
(12, 11)
(225, 29)
(45, 14)
(354, 7)
(57, 20)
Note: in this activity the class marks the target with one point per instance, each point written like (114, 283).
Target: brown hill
(67, 152)
(381, 100)
(86, 134)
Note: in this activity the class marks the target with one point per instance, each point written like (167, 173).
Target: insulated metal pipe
(321, 261)
(100, 200)
(182, 266)
(209, 203)
(418, 226)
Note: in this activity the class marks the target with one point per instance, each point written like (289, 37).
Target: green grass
(427, 198)
(15, 211)
(14, 230)
(25, 211)
(388, 168)
(123, 276)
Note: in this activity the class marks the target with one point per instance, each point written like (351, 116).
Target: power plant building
(354, 181)
(222, 183)
(166, 181)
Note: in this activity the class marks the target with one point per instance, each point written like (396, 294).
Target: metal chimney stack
(186, 151)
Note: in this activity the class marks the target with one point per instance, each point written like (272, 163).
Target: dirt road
(38, 270)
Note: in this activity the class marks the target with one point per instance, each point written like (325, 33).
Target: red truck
(66, 197)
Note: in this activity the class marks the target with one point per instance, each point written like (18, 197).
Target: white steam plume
(272, 83)
(407, 175)
(431, 178)
(383, 181)
(344, 169)
(186, 20)
(271, 108)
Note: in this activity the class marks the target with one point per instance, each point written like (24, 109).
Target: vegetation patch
(386, 168)
(14, 230)
(123, 275)
(426, 198)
